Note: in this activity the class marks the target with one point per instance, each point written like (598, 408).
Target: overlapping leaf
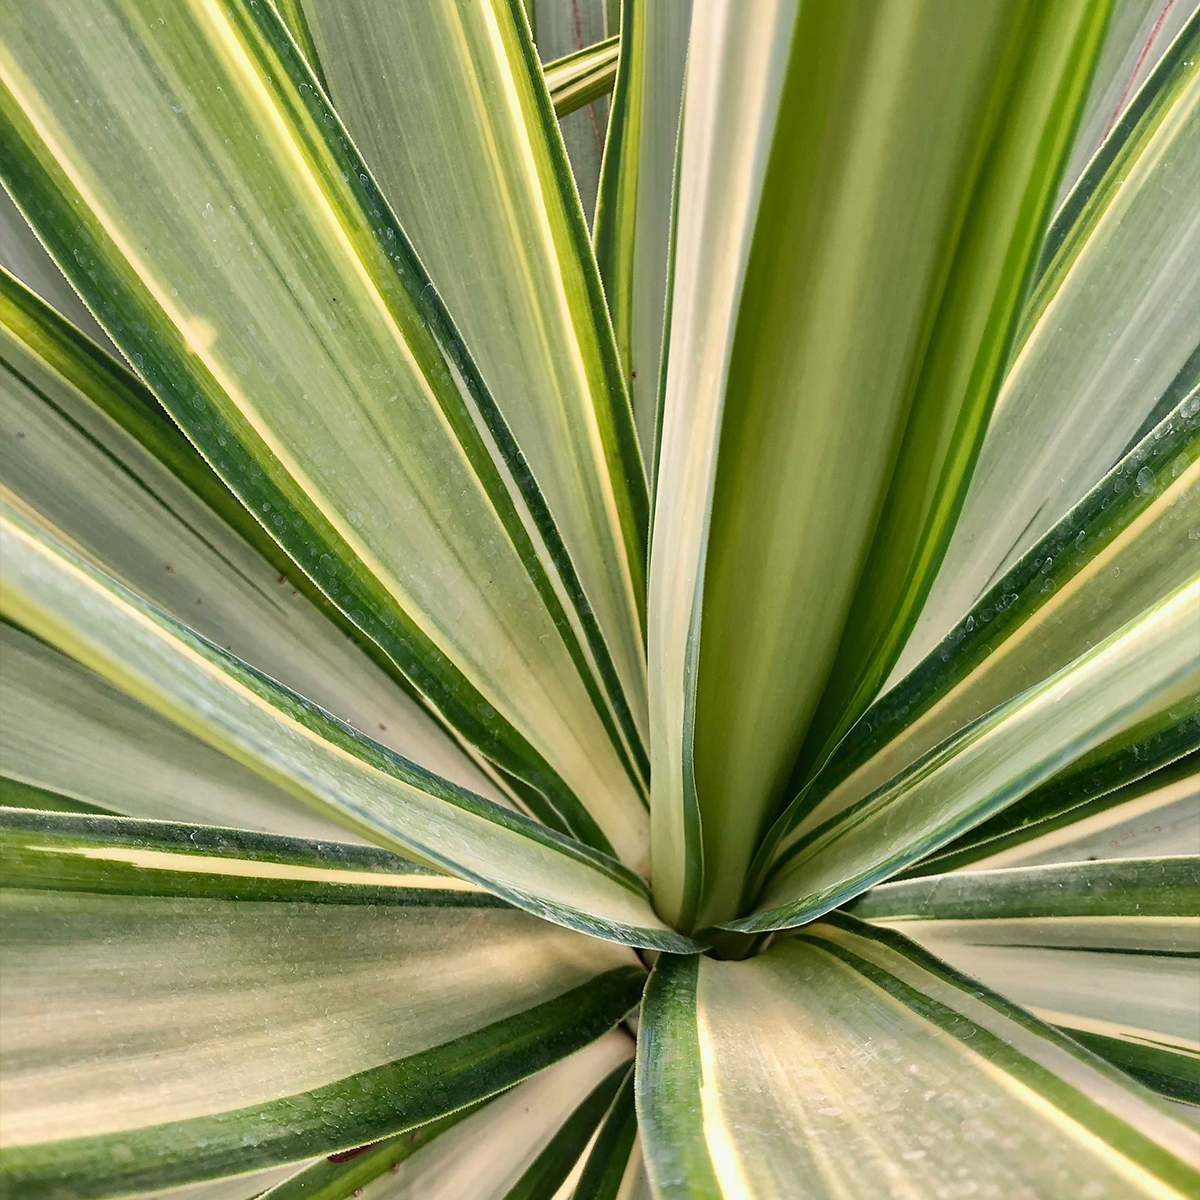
(1107, 950)
(239, 994)
(847, 1057)
(262, 288)
(307, 752)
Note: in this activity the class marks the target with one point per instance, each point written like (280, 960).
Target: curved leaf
(577, 79)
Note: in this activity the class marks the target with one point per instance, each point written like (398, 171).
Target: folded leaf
(996, 760)
(636, 202)
(863, 354)
(310, 754)
(1110, 345)
(263, 289)
(848, 1058)
(1106, 950)
(92, 454)
(736, 71)
(186, 1003)
(579, 78)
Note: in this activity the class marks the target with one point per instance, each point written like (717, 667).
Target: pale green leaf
(1054, 818)
(73, 735)
(1126, 545)
(486, 1156)
(837, 852)
(561, 27)
(310, 754)
(635, 205)
(735, 74)
(1139, 32)
(848, 1058)
(579, 78)
(262, 288)
(864, 348)
(81, 453)
(467, 152)
(1106, 950)
(185, 1003)
(1112, 342)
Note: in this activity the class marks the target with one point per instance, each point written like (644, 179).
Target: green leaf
(90, 451)
(838, 852)
(635, 205)
(309, 357)
(73, 735)
(579, 78)
(1126, 545)
(614, 1168)
(236, 995)
(1106, 950)
(310, 754)
(1155, 816)
(1109, 346)
(543, 1178)
(1053, 818)
(467, 152)
(23, 256)
(848, 373)
(560, 28)
(847, 1057)
(963, 363)
(490, 1152)
(1138, 34)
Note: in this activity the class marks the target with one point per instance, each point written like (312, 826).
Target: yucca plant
(704, 706)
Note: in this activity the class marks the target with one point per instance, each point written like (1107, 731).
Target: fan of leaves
(656, 657)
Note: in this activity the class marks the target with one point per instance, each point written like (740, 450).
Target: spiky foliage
(704, 705)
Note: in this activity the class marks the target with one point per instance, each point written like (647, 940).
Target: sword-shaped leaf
(90, 451)
(1126, 545)
(1150, 664)
(311, 754)
(635, 205)
(843, 376)
(1106, 950)
(262, 287)
(847, 1057)
(188, 1003)
(1111, 343)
